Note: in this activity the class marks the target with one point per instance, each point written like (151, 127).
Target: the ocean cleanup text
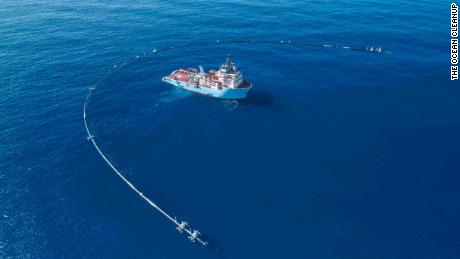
(454, 41)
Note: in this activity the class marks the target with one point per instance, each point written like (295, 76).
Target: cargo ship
(225, 83)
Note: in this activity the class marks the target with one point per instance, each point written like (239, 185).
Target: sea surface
(334, 154)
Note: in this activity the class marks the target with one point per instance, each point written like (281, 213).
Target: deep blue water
(335, 153)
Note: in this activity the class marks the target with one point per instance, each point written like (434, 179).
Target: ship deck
(183, 75)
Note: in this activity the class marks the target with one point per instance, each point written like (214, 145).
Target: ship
(225, 83)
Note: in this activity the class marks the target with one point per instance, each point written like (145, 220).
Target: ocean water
(334, 154)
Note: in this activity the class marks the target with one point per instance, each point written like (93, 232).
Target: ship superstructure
(225, 83)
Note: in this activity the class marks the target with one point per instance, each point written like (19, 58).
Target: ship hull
(225, 93)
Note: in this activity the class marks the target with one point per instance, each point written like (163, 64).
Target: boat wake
(230, 105)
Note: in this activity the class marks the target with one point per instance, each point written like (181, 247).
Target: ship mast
(202, 79)
(228, 61)
(227, 66)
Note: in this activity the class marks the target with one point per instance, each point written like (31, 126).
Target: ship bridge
(229, 75)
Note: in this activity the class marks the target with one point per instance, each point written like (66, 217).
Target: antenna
(228, 62)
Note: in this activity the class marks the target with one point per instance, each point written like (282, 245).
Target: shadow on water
(256, 98)
(259, 98)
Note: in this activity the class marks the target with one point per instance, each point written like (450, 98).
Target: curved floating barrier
(193, 234)
(182, 226)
